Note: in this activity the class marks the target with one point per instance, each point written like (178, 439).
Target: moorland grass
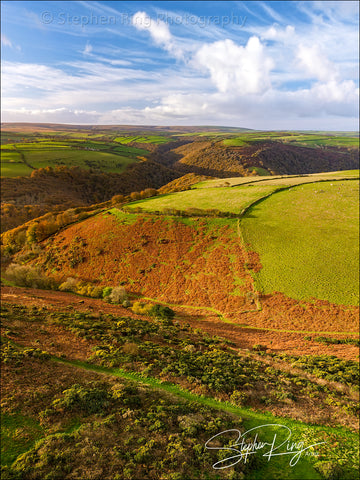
(279, 466)
(307, 239)
(18, 434)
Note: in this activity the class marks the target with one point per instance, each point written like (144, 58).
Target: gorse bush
(142, 308)
(92, 398)
(86, 289)
(162, 312)
(106, 292)
(11, 354)
(81, 288)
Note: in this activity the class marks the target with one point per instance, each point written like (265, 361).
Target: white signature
(243, 448)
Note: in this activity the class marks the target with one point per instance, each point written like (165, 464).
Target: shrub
(238, 398)
(92, 398)
(118, 295)
(106, 292)
(135, 195)
(96, 292)
(259, 348)
(27, 276)
(162, 312)
(70, 285)
(117, 199)
(141, 308)
(330, 470)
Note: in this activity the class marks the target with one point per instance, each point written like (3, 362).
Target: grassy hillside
(216, 194)
(307, 239)
(295, 232)
(223, 199)
(196, 263)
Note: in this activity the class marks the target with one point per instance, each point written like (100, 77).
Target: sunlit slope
(278, 179)
(307, 239)
(216, 194)
(305, 233)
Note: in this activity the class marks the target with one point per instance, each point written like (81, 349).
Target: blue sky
(255, 64)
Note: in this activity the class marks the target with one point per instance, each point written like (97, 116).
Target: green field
(17, 158)
(217, 194)
(305, 233)
(224, 199)
(297, 138)
(157, 139)
(11, 169)
(307, 239)
(280, 180)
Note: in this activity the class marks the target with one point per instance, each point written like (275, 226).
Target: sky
(255, 64)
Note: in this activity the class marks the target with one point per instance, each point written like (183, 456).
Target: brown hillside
(183, 183)
(155, 257)
(48, 190)
(195, 265)
(215, 159)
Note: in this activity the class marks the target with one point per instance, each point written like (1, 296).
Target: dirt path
(245, 338)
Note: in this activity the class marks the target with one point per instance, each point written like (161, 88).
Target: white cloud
(335, 10)
(159, 32)
(297, 75)
(88, 49)
(51, 115)
(283, 35)
(233, 67)
(271, 12)
(316, 64)
(336, 92)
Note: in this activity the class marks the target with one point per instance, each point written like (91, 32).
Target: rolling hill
(49, 167)
(259, 269)
(134, 331)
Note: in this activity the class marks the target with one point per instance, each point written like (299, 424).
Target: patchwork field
(156, 139)
(312, 140)
(216, 194)
(22, 158)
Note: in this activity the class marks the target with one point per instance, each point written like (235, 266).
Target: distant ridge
(29, 127)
